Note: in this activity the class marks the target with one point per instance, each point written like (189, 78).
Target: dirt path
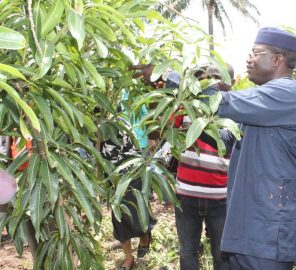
(10, 259)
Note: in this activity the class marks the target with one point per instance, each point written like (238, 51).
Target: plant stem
(33, 27)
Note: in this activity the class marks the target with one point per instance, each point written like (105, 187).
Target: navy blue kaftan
(261, 215)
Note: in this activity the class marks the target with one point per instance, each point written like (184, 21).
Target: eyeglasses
(254, 54)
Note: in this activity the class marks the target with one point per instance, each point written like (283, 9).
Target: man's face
(260, 64)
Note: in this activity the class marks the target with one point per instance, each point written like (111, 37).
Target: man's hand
(144, 72)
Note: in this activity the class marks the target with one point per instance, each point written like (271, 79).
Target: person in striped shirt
(202, 189)
(201, 178)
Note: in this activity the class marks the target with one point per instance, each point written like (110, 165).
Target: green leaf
(200, 105)
(213, 131)
(24, 130)
(146, 181)
(18, 242)
(37, 19)
(32, 170)
(50, 181)
(28, 111)
(195, 130)
(12, 71)
(76, 246)
(44, 60)
(53, 17)
(20, 207)
(193, 84)
(44, 109)
(59, 98)
(142, 210)
(129, 162)
(166, 117)
(98, 79)
(70, 71)
(37, 200)
(116, 211)
(10, 39)
(162, 105)
(147, 98)
(60, 219)
(165, 187)
(62, 83)
(78, 114)
(66, 122)
(106, 31)
(101, 47)
(159, 69)
(63, 169)
(214, 101)
(188, 52)
(120, 24)
(89, 124)
(76, 26)
(103, 100)
(67, 262)
(122, 187)
(189, 111)
(171, 136)
(84, 202)
(16, 163)
(49, 263)
(230, 125)
(2, 224)
(40, 253)
(83, 178)
(76, 218)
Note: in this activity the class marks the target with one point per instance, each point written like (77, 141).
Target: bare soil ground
(10, 260)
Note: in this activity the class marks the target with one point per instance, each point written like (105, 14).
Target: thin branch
(33, 26)
(179, 13)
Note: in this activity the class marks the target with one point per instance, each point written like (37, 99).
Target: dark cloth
(261, 206)
(130, 227)
(189, 222)
(241, 262)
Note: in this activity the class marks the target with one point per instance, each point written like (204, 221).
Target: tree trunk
(211, 26)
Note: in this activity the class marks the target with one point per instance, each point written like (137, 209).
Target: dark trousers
(244, 262)
(189, 227)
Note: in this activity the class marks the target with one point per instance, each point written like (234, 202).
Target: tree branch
(33, 26)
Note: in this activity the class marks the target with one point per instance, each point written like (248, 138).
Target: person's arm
(272, 104)
(144, 71)
(171, 79)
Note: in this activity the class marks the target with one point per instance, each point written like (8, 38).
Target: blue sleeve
(272, 104)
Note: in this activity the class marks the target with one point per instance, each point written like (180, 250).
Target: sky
(237, 43)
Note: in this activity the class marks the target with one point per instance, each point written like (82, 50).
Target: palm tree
(169, 8)
(215, 8)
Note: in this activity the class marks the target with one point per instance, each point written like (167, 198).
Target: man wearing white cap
(260, 227)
